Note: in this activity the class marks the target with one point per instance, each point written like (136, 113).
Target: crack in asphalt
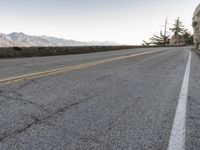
(37, 120)
(25, 84)
(24, 101)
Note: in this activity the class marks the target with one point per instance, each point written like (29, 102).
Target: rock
(177, 40)
(196, 27)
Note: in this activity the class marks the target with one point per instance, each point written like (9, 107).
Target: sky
(122, 21)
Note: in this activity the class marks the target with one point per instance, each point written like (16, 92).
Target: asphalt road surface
(137, 99)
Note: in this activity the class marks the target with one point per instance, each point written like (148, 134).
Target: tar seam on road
(68, 68)
(177, 138)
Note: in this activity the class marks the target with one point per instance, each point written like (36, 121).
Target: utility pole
(165, 32)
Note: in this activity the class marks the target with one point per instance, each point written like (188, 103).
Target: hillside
(24, 40)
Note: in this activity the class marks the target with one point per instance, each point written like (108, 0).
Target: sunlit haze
(122, 21)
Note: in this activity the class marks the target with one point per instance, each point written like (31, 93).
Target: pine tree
(160, 40)
(178, 28)
(188, 37)
(145, 43)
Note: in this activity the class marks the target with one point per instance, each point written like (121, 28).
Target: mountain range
(20, 39)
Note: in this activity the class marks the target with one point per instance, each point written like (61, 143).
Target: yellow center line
(68, 68)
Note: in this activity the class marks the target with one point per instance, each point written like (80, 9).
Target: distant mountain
(24, 40)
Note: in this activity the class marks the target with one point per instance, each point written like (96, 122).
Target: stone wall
(196, 27)
(51, 51)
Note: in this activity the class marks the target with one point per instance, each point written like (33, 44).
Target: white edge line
(177, 138)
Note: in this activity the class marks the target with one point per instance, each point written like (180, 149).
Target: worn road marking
(68, 68)
(177, 138)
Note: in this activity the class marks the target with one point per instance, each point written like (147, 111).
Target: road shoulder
(193, 106)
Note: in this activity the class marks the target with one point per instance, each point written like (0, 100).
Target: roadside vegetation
(176, 35)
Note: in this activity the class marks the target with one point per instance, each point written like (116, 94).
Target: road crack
(37, 120)
(24, 101)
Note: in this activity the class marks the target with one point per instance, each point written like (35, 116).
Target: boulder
(177, 40)
(196, 27)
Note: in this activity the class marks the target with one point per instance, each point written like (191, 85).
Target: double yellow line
(68, 68)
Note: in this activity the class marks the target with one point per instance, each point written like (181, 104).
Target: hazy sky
(123, 21)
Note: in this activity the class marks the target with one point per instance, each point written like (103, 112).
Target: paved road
(126, 103)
